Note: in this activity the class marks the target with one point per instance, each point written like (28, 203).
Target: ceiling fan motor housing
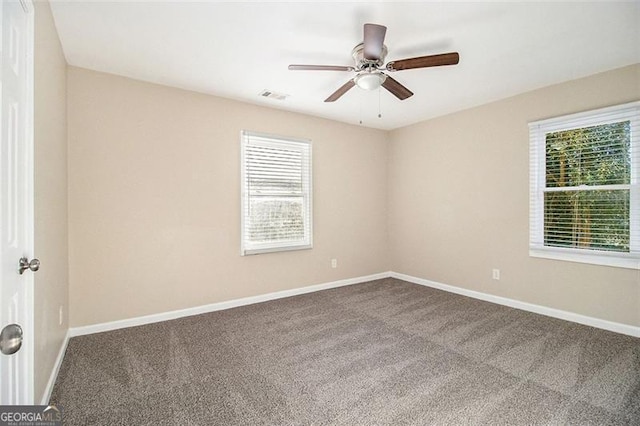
(363, 63)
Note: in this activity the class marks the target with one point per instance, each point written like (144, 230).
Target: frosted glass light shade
(370, 80)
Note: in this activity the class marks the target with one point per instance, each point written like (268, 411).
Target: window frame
(264, 139)
(537, 186)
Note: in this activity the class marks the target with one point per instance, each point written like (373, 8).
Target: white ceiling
(235, 50)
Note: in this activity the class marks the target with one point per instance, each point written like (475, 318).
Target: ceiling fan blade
(296, 67)
(424, 62)
(397, 89)
(341, 91)
(373, 40)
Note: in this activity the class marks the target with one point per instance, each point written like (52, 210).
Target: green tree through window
(584, 187)
(579, 208)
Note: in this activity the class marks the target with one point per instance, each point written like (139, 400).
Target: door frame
(29, 302)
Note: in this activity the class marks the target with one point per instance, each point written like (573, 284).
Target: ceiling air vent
(273, 95)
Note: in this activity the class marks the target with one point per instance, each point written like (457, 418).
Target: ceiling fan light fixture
(370, 80)
(369, 57)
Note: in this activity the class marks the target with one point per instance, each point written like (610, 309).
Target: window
(276, 194)
(585, 187)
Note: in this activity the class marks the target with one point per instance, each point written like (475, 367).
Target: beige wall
(154, 200)
(459, 194)
(50, 138)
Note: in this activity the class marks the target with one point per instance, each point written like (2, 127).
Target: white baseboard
(164, 316)
(148, 319)
(538, 309)
(46, 396)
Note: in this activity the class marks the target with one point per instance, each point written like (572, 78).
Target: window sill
(250, 252)
(617, 260)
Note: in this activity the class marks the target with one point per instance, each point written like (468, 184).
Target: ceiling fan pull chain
(379, 108)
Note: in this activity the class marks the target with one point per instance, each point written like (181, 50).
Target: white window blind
(585, 187)
(276, 194)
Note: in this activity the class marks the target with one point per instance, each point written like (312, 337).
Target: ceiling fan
(369, 57)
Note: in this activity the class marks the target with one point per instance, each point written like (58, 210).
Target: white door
(16, 202)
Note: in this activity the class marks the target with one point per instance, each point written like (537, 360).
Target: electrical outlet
(496, 274)
(60, 315)
(334, 263)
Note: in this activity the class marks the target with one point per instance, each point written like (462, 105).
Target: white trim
(530, 307)
(538, 309)
(26, 366)
(619, 260)
(29, 326)
(538, 187)
(588, 188)
(276, 248)
(46, 396)
(305, 147)
(149, 319)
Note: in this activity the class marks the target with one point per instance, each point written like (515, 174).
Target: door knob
(25, 264)
(10, 339)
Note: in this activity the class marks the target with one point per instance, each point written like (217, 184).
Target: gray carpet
(385, 352)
